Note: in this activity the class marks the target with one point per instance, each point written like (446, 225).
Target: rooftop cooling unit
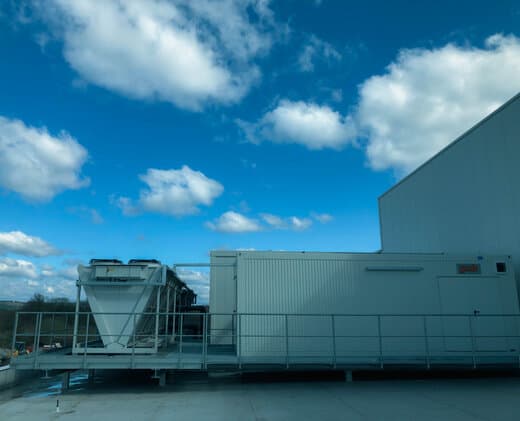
(129, 305)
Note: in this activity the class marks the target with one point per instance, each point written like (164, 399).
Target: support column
(91, 376)
(162, 378)
(66, 381)
(76, 319)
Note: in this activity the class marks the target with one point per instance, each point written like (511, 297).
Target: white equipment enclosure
(360, 307)
(130, 305)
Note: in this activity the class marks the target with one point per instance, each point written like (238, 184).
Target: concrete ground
(264, 398)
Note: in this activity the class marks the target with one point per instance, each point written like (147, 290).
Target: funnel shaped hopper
(118, 296)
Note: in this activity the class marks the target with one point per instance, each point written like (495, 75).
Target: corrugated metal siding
(334, 283)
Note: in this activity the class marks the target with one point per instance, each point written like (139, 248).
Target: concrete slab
(229, 398)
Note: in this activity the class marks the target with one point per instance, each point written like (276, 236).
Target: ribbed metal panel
(321, 284)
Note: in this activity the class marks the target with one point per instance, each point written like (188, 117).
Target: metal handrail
(122, 313)
(238, 335)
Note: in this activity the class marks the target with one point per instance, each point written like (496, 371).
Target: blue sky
(166, 129)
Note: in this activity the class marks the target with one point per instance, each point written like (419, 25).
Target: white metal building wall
(222, 296)
(272, 284)
(465, 199)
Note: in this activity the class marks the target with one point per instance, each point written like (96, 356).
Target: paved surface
(232, 399)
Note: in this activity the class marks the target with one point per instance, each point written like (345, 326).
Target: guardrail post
(76, 319)
(470, 318)
(66, 328)
(157, 313)
(286, 341)
(381, 362)
(166, 339)
(239, 341)
(181, 322)
(332, 319)
(15, 330)
(86, 341)
(36, 344)
(204, 338)
(517, 340)
(174, 311)
(52, 330)
(134, 343)
(426, 343)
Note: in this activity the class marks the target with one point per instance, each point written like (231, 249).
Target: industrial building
(464, 199)
(354, 307)
(443, 291)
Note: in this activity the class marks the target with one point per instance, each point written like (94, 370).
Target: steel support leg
(91, 376)
(66, 381)
(161, 375)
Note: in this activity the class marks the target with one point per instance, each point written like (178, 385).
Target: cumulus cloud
(127, 206)
(198, 281)
(428, 97)
(173, 192)
(273, 220)
(300, 224)
(20, 280)
(185, 52)
(316, 49)
(311, 125)
(293, 222)
(234, 222)
(17, 269)
(36, 164)
(17, 242)
(323, 218)
(423, 101)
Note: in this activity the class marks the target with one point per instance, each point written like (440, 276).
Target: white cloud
(427, 98)
(198, 281)
(293, 222)
(18, 242)
(314, 49)
(69, 272)
(337, 95)
(96, 217)
(125, 204)
(308, 124)
(273, 220)
(173, 192)
(184, 52)
(36, 164)
(300, 224)
(16, 268)
(234, 222)
(21, 279)
(323, 218)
